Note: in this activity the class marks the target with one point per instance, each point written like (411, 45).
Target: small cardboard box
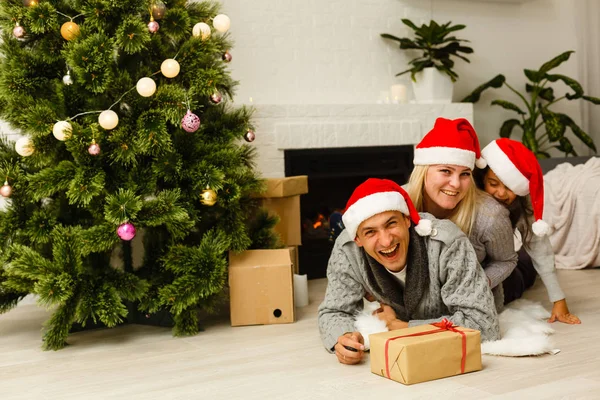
(424, 353)
(294, 256)
(261, 288)
(282, 198)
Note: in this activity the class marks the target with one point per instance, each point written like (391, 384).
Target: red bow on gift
(443, 325)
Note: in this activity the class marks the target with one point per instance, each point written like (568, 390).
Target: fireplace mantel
(286, 127)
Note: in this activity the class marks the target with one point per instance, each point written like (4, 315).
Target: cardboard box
(430, 353)
(294, 256)
(282, 198)
(261, 288)
(285, 187)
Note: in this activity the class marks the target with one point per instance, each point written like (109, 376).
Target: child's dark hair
(521, 207)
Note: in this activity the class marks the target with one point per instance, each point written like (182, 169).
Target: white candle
(300, 290)
(398, 93)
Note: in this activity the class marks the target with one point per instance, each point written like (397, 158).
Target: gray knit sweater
(540, 250)
(458, 289)
(492, 239)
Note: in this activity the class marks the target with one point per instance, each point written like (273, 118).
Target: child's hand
(560, 312)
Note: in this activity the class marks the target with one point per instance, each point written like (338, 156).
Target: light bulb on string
(221, 23)
(108, 119)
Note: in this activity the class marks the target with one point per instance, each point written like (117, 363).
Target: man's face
(385, 238)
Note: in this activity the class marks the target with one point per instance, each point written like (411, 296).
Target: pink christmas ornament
(6, 190)
(227, 57)
(94, 149)
(18, 31)
(126, 231)
(216, 98)
(249, 136)
(190, 122)
(153, 26)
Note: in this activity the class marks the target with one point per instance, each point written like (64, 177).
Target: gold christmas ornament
(24, 146)
(158, 9)
(221, 23)
(146, 87)
(208, 197)
(29, 3)
(108, 119)
(69, 30)
(201, 30)
(169, 68)
(62, 130)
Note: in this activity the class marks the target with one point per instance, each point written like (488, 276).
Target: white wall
(330, 51)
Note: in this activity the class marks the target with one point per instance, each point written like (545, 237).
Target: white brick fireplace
(286, 127)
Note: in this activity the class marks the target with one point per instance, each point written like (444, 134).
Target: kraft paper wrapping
(433, 355)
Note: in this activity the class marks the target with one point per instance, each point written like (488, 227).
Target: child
(514, 178)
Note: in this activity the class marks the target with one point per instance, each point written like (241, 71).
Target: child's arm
(540, 250)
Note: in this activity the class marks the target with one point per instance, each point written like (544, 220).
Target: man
(419, 268)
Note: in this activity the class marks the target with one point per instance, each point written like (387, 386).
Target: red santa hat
(519, 170)
(451, 141)
(375, 196)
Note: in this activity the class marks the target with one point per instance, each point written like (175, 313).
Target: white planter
(432, 87)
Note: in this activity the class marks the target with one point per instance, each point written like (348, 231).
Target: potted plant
(542, 128)
(432, 71)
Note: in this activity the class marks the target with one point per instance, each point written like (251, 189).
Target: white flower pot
(432, 87)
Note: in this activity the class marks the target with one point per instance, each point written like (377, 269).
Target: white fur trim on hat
(444, 155)
(504, 169)
(371, 205)
(540, 227)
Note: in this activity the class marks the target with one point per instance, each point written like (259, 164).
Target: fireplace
(333, 173)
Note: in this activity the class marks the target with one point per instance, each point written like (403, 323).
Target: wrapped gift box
(426, 352)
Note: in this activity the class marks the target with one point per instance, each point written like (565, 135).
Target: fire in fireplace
(333, 173)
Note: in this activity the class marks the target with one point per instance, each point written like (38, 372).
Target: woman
(442, 185)
(514, 178)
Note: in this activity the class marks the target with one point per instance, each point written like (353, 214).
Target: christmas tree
(124, 107)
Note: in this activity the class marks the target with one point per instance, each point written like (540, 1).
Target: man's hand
(349, 348)
(388, 315)
(560, 312)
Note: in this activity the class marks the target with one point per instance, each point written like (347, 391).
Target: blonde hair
(463, 215)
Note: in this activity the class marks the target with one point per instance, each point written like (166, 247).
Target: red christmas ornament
(249, 136)
(126, 231)
(227, 56)
(190, 122)
(216, 98)
(153, 26)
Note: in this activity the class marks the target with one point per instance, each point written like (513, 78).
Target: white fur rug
(525, 331)
(523, 326)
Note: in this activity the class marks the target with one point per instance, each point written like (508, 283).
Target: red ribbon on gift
(443, 326)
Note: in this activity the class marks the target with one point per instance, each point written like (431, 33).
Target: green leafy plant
(435, 45)
(542, 128)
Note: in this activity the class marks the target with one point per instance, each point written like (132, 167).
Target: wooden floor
(279, 361)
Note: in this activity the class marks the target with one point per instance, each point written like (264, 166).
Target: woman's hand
(560, 312)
